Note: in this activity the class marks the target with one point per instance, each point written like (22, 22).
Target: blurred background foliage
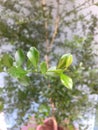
(22, 25)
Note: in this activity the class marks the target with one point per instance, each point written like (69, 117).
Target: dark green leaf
(66, 81)
(19, 57)
(17, 72)
(33, 55)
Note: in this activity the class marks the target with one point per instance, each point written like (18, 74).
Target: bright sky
(2, 122)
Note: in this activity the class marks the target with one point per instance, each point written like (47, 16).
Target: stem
(44, 6)
(56, 25)
(50, 44)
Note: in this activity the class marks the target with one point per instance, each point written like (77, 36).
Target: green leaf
(43, 67)
(66, 81)
(7, 60)
(17, 72)
(19, 57)
(65, 61)
(54, 72)
(54, 69)
(33, 55)
(1, 104)
(25, 81)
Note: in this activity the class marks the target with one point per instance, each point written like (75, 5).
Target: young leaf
(69, 60)
(54, 72)
(19, 57)
(66, 81)
(17, 72)
(65, 61)
(51, 72)
(33, 55)
(43, 67)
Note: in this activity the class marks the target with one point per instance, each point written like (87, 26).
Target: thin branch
(78, 8)
(44, 5)
(56, 25)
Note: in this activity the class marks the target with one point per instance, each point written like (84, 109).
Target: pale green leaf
(33, 55)
(54, 72)
(66, 81)
(65, 61)
(19, 57)
(43, 67)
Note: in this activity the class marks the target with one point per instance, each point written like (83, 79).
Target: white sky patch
(2, 122)
(2, 79)
(3, 125)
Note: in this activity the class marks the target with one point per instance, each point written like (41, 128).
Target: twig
(78, 8)
(44, 5)
(56, 25)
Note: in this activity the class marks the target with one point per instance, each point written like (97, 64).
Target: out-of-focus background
(22, 25)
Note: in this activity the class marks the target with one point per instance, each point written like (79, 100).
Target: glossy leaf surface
(19, 57)
(33, 55)
(65, 61)
(66, 81)
(43, 67)
(17, 72)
